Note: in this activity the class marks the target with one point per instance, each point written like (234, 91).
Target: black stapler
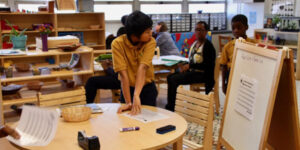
(88, 143)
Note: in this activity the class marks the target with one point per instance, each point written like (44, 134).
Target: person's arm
(120, 66)
(126, 91)
(6, 130)
(140, 81)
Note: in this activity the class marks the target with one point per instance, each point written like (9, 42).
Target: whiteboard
(241, 130)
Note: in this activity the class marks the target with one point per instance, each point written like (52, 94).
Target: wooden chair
(197, 108)
(199, 87)
(223, 40)
(160, 75)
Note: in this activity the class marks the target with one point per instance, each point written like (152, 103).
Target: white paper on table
(37, 126)
(158, 61)
(246, 97)
(147, 116)
(173, 58)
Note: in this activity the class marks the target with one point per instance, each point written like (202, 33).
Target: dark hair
(240, 18)
(137, 22)
(163, 27)
(123, 19)
(206, 26)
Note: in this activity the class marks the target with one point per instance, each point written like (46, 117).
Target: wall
(112, 26)
(257, 9)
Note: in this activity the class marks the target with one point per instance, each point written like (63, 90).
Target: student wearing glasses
(200, 69)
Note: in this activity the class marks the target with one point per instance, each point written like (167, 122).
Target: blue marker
(129, 129)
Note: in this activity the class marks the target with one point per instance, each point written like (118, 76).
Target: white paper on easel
(147, 116)
(37, 126)
(246, 96)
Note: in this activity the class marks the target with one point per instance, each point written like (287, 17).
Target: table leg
(178, 144)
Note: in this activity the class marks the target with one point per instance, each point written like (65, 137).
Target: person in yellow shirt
(239, 25)
(132, 58)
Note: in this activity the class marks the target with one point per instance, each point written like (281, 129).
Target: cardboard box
(54, 41)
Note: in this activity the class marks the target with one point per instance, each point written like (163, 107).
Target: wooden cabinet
(90, 26)
(82, 71)
(288, 39)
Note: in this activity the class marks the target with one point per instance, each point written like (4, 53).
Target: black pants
(176, 79)
(100, 82)
(148, 95)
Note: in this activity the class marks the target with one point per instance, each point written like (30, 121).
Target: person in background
(122, 29)
(132, 58)
(6, 130)
(164, 40)
(239, 25)
(109, 81)
(200, 68)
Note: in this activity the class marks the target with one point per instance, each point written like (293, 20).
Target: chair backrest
(223, 40)
(157, 52)
(197, 108)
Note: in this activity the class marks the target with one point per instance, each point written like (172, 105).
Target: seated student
(109, 81)
(200, 68)
(132, 59)
(239, 25)
(164, 40)
(6, 130)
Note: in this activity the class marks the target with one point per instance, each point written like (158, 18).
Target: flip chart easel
(261, 104)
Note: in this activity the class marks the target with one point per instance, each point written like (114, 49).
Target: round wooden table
(106, 126)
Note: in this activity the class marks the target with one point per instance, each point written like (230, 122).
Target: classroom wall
(254, 11)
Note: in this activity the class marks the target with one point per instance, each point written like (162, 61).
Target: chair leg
(115, 96)
(216, 98)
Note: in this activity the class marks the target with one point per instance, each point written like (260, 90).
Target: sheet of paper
(158, 61)
(246, 98)
(147, 116)
(37, 126)
(173, 58)
(11, 52)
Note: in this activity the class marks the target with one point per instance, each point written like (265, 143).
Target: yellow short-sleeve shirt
(128, 57)
(227, 52)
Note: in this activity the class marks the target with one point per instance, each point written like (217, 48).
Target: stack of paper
(37, 126)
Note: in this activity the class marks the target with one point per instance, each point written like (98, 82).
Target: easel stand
(275, 119)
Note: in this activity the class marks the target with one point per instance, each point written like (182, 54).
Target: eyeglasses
(200, 30)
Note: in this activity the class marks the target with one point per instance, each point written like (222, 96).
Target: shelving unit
(292, 44)
(70, 22)
(84, 70)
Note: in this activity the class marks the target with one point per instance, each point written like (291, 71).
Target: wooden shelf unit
(69, 22)
(37, 59)
(295, 44)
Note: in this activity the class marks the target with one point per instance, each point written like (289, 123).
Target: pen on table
(129, 129)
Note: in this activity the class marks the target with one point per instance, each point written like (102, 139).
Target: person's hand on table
(6, 130)
(136, 107)
(124, 107)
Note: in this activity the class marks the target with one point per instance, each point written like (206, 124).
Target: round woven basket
(76, 114)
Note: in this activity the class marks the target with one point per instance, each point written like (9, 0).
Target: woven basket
(76, 114)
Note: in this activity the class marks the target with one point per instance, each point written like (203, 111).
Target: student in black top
(109, 81)
(200, 68)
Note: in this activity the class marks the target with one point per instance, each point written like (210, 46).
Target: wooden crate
(50, 96)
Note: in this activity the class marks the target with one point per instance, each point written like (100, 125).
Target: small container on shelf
(36, 71)
(22, 67)
(9, 72)
(35, 85)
